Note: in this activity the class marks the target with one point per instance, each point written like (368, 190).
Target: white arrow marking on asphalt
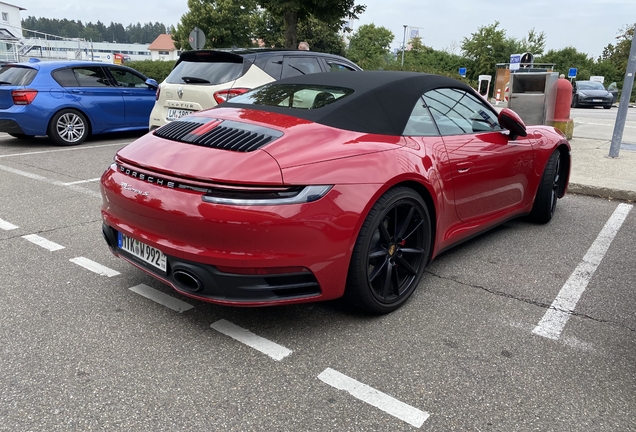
(7, 226)
(161, 298)
(386, 403)
(42, 242)
(554, 320)
(275, 351)
(94, 267)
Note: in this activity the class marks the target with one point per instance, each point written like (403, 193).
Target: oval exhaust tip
(187, 281)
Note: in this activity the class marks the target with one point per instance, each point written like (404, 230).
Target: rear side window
(65, 77)
(92, 77)
(16, 75)
(334, 66)
(205, 68)
(294, 66)
(420, 122)
(457, 112)
(273, 66)
(297, 96)
(126, 78)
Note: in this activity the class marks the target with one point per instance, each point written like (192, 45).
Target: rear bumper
(11, 127)
(206, 282)
(257, 247)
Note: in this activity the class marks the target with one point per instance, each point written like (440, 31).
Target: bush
(155, 69)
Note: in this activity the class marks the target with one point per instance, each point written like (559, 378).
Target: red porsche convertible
(326, 185)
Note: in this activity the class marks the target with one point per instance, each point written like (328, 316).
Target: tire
(68, 127)
(607, 106)
(575, 102)
(391, 252)
(21, 136)
(548, 192)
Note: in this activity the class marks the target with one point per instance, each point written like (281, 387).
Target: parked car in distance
(591, 94)
(70, 100)
(202, 79)
(326, 185)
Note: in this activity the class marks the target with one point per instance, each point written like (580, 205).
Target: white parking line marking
(161, 298)
(554, 320)
(601, 124)
(7, 225)
(81, 181)
(94, 267)
(65, 149)
(42, 242)
(275, 351)
(386, 403)
(49, 181)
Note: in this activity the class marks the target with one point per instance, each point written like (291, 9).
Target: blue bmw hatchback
(69, 100)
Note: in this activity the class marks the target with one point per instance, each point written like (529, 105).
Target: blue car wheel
(68, 127)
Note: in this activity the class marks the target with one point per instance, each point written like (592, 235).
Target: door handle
(462, 167)
(127, 92)
(78, 91)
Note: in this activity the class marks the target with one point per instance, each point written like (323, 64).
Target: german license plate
(146, 253)
(597, 100)
(175, 114)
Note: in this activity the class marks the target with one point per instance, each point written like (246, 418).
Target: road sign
(462, 72)
(197, 39)
(572, 73)
(515, 61)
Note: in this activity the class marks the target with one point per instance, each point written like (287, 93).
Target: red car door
(490, 171)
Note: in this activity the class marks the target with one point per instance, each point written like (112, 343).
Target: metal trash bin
(533, 96)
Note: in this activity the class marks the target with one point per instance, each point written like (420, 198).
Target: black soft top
(381, 103)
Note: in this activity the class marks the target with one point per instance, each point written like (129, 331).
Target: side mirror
(153, 84)
(508, 119)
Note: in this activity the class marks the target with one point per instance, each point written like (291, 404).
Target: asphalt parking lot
(524, 328)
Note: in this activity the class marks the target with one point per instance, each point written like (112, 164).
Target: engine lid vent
(220, 134)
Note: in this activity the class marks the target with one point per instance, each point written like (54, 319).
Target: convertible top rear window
(297, 96)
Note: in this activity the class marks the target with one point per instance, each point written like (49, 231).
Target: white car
(205, 78)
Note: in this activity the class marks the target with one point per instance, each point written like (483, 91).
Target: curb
(602, 192)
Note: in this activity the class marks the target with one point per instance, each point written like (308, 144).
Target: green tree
(369, 46)
(320, 36)
(421, 58)
(534, 43)
(567, 58)
(490, 45)
(331, 12)
(487, 47)
(226, 23)
(90, 34)
(615, 57)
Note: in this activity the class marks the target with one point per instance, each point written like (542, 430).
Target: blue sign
(572, 73)
(515, 61)
(462, 72)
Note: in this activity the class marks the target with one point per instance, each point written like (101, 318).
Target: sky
(587, 25)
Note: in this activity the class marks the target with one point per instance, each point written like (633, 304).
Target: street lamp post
(403, 45)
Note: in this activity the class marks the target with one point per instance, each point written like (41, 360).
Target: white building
(15, 47)
(10, 30)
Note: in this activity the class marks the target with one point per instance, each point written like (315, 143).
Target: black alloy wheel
(548, 193)
(391, 252)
